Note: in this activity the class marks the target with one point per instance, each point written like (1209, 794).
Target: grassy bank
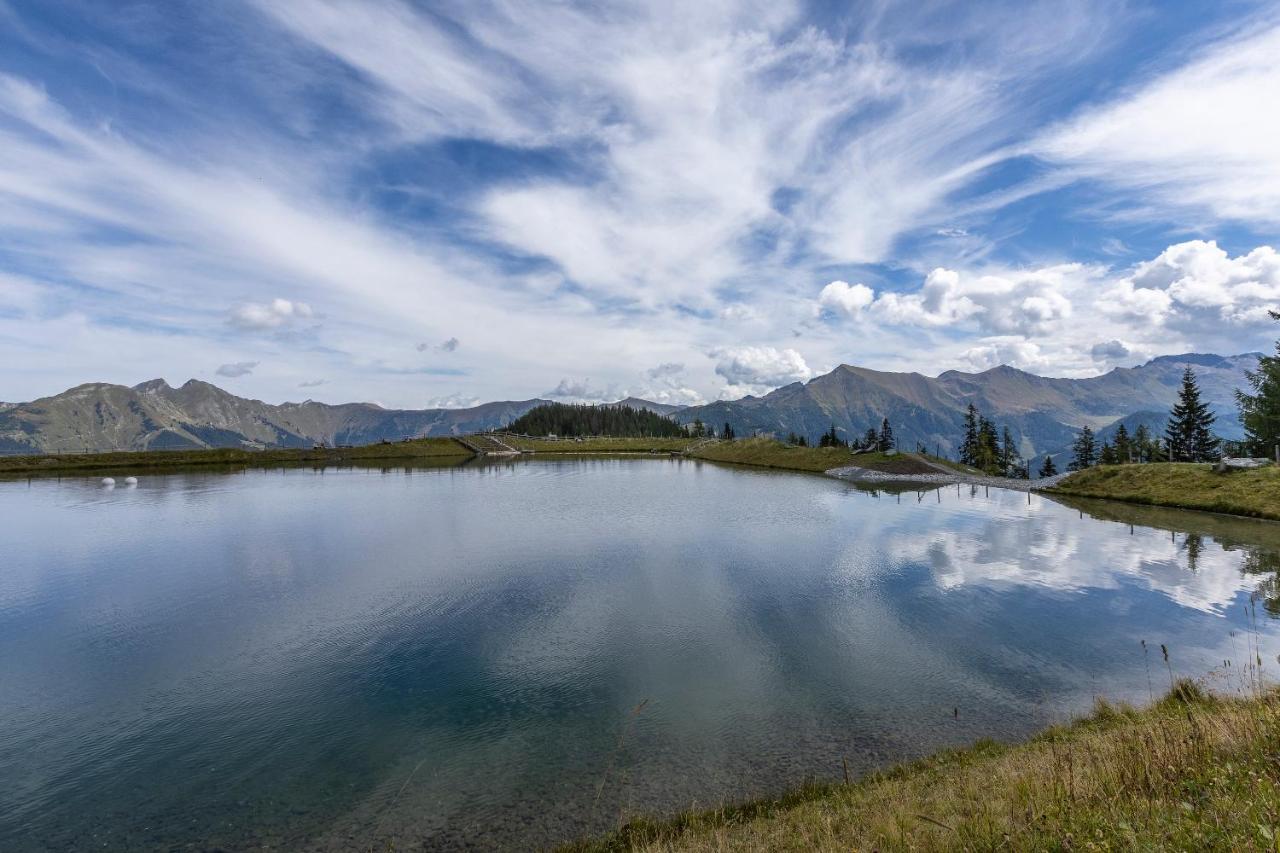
(768, 453)
(1192, 772)
(600, 445)
(1187, 486)
(422, 448)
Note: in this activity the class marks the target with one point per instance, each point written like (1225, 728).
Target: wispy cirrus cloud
(1200, 137)
(750, 190)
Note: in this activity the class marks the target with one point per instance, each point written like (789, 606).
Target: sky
(427, 204)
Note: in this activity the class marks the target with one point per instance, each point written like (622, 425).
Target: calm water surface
(519, 654)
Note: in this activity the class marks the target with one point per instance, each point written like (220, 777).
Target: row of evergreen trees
(1188, 436)
(990, 450)
(881, 439)
(571, 421)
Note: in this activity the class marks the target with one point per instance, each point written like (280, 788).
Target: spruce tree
(1010, 458)
(886, 441)
(1142, 444)
(969, 443)
(1047, 468)
(727, 433)
(1189, 433)
(1083, 450)
(1123, 445)
(1260, 411)
(1107, 456)
(871, 439)
(988, 446)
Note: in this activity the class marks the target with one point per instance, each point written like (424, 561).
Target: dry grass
(1191, 773)
(767, 453)
(422, 448)
(1252, 493)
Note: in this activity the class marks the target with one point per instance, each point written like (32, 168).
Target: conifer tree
(871, 439)
(988, 446)
(1083, 450)
(1123, 445)
(727, 432)
(1010, 458)
(1047, 468)
(1189, 433)
(1107, 456)
(886, 441)
(969, 443)
(1260, 411)
(832, 439)
(1142, 443)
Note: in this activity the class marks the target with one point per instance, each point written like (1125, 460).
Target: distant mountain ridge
(1043, 413)
(154, 415)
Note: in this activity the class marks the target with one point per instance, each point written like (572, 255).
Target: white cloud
(239, 368)
(668, 385)
(269, 315)
(1112, 352)
(312, 383)
(1030, 302)
(760, 368)
(582, 390)
(840, 297)
(1017, 352)
(1203, 136)
(453, 401)
(1195, 283)
(669, 370)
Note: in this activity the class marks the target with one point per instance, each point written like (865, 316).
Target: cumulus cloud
(840, 297)
(760, 367)
(1197, 281)
(584, 391)
(1030, 302)
(1110, 351)
(239, 368)
(666, 371)
(994, 352)
(668, 385)
(269, 315)
(453, 401)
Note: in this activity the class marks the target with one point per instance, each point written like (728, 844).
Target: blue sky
(435, 203)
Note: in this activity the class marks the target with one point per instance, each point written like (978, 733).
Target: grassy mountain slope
(1042, 413)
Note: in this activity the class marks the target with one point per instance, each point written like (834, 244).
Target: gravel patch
(944, 477)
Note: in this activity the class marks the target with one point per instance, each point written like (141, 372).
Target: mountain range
(1043, 413)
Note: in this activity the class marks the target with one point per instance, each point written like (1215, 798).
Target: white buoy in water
(131, 481)
(108, 481)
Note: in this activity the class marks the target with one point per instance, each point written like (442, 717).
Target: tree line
(572, 421)
(1188, 436)
(990, 449)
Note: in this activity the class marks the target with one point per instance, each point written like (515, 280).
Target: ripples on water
(452, 657)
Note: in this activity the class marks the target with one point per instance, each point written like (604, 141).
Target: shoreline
(1185, 486)
(1192, 770)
